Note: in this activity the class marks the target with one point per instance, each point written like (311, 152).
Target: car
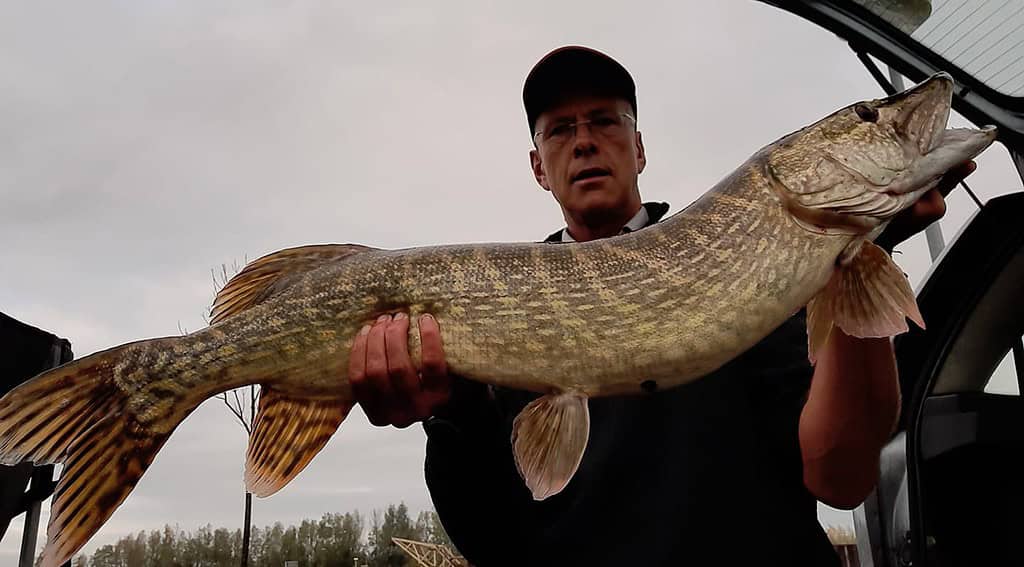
(950, 488)
(25, 352)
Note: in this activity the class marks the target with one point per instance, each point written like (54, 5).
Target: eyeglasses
(606, 126)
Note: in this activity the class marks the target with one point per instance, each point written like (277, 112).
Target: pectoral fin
(288, 433)
(867, 297)
(548, 439)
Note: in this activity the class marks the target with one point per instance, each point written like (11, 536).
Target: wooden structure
(430, 554)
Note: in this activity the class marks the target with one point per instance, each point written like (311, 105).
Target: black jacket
(708, 470)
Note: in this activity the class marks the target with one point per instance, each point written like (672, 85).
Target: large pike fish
(791, 227)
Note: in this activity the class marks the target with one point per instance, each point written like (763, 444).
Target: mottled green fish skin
(669, 303)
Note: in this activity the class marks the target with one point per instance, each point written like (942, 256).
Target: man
(722, 471)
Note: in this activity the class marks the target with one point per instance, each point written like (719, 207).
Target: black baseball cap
(574, 69)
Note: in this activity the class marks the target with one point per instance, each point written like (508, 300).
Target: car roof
(980, 43)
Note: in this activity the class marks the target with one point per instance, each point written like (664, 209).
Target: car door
(963, 425)
(950, 489)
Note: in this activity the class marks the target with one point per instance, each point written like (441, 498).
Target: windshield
(985, 38)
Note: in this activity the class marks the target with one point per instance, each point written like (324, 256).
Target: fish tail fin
(77, 415)
(868, 296)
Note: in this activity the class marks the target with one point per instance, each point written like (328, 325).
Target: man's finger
(362, 388)
(433, 367)
(954, 176)
(401, 373)
(377, 373)
(357, 368)
(376, 353)
(436, 381)
(931, 206)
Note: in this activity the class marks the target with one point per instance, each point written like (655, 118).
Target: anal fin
(288, 432)
(867, 296)
(548, 439)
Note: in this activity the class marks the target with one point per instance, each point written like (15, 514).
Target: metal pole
(28, 537)
(41, 478)
(246, 530)
(935, 242)
(1018, 160)
(1018, 362)
(896, 79)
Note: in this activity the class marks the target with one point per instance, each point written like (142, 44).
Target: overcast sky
(143, 144)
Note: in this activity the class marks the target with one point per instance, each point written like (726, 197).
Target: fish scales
(281, 341)
(565, 288)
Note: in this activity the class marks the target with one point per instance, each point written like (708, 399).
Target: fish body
(791, 227)
(649, 305)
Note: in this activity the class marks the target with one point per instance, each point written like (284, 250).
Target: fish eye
(866, 113)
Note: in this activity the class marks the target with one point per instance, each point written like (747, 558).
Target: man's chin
(600, 210)
(599, 197)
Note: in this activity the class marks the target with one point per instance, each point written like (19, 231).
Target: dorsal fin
(273, 273)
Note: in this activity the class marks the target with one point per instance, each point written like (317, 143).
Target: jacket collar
(654, 213)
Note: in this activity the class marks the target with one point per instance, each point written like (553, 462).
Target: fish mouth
(967, 142)
(952, 147)
(920, 118)
(923, 111)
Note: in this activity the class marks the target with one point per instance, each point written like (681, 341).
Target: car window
(985, 38)
(1004, 379)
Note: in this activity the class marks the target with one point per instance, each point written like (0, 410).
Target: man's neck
(601, 225)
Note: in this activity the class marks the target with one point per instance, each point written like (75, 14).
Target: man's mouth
(590, 173)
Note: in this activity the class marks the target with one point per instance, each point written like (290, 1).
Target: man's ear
(538, 170)
(641, 157)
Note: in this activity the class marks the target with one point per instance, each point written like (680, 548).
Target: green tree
(394, 523)
(271, 552)
(433, 531)
(131, 551)
(161, 546)
(338, 540)
(290, 549)
(335, 540)
(223, 554)
(105, 556)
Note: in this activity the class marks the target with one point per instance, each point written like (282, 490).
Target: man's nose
(583, 142)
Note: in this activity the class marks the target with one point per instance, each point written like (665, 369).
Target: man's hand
(928, 209)
(386, 383)
(854, 399)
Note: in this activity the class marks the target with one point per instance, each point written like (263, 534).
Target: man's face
(595, 170)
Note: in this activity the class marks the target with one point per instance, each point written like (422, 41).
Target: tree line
(335, 540)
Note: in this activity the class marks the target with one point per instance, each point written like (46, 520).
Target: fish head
(863, 164)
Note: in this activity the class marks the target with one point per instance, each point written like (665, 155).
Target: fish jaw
(919, 114)
(867, 162)
(952, 147)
